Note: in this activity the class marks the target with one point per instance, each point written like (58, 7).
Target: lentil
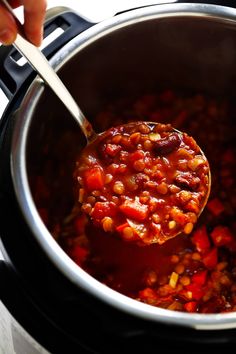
(107, 224)
(143, 273)
(180, 268)
(185, 280)
(154, 169)
(118, 187)
(188, 228)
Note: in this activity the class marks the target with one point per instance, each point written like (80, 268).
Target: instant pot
(48, 302)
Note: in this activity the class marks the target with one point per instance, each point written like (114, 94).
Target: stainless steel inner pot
(182, 46)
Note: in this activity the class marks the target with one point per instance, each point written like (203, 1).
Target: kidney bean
(187, 180)
(144, 170)
(167, 145)
(204, 260)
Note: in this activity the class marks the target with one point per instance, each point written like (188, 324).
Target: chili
(190, 273)
(147, 176)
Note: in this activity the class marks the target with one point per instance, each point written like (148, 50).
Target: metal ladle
(38, 61)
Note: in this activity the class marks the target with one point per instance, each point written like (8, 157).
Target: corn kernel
(173, 279)
(154, 136)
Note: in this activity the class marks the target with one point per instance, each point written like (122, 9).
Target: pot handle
(13, 74)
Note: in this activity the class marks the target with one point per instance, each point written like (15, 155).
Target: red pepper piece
(94, 178)
(196, 290)
(211, 258)
(201, 240)
(215, 206)
(190, 306)
(121, 227)
(134, 210)
(221, 236)
(102, 209)
(200, 277)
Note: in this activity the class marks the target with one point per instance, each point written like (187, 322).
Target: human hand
(34, 11)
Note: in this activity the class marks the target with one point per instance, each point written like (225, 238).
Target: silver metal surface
(214, 60)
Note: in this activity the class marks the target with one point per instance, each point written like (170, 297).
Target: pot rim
(21, 184)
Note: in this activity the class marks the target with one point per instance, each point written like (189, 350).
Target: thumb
(7, 27)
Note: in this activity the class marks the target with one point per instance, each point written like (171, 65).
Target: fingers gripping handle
(12, 75)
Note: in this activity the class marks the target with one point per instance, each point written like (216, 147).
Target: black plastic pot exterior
(185, 46)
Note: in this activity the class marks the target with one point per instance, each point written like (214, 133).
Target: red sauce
(190, 273)
(143, 182)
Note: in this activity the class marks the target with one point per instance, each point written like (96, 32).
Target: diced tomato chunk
(201, 240)
(148, 293)
(121, 227)
(215, 206)
(192, 206)
(221, 236)
(156, 228)
(137, 155)
(94, 178)
(102, 209)
(134, 210)
(112, 149)
(191, 142)
(179, 216)
(190, 306)
(200, 277)
(211, 258)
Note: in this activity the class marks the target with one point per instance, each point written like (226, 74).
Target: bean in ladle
(144, 181)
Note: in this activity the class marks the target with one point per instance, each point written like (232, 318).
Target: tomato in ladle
(144, 182)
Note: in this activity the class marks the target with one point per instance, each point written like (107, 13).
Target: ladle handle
(38, 61)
